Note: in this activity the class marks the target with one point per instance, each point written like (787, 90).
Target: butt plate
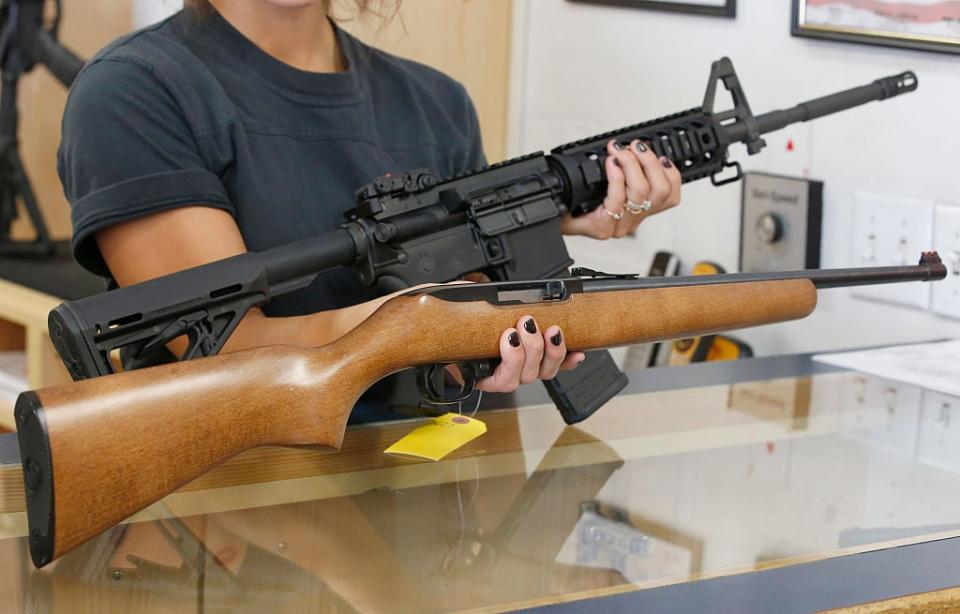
(37, 466)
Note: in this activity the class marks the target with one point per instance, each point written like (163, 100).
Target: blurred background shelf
(29, 289)
(23, 326)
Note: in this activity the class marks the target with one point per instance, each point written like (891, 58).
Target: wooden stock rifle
(96, 451)
(414, 228)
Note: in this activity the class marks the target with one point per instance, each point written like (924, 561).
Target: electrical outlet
(945, 297)
(892, 231)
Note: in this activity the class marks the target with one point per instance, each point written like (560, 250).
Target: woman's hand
(639, 185)
(529, 354)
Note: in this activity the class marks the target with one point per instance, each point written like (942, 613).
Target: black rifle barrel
(881, 89)
(929, 269)
(60, 61)
(29, 43)
(839, 278)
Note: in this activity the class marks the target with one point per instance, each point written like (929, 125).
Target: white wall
(585, 69)
(146, 12)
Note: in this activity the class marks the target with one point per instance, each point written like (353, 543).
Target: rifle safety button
(519, 216)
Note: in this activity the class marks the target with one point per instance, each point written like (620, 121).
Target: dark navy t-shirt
(190, 112)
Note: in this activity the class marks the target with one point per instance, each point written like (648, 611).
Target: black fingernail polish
(665, 161)
(641, 147)
(514, 339)
(556, 339)
(617, 146)
(530, 326)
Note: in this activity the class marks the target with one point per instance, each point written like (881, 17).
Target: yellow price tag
(438, 437)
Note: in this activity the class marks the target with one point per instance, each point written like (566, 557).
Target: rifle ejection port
(552, 290)
(556, 290)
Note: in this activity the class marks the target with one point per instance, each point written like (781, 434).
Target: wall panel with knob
(780, 223)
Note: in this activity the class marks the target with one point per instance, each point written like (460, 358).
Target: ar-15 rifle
(94, 452)
(24, 43)
(410, 228)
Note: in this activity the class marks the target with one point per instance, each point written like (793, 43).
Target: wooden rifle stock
(96, 451)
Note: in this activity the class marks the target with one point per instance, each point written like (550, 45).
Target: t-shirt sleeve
(128, 150)
(475, 156)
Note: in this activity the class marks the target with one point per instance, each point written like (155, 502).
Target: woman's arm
(170, 241)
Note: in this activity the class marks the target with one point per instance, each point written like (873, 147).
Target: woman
(242, 125)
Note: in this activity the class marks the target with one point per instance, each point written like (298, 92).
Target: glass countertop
(657, 488)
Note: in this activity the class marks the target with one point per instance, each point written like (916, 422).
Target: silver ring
(616, 216)
(636, 209)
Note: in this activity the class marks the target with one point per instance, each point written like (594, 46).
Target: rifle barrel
(62, 63)
(929, 269)
(881, 89)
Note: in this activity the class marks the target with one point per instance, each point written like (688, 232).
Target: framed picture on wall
(719, 8)
(930, 25)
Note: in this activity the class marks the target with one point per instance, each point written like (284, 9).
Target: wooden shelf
(6, 411)
(23, 326)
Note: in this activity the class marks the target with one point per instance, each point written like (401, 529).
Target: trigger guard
(431, 380)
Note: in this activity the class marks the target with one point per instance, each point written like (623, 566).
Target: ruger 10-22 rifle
(410, 229)
(96, 451)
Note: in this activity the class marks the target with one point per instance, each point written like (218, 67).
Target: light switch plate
(892, 231)
(945, 296)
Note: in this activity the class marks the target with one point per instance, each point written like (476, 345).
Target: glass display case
(685, 480)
